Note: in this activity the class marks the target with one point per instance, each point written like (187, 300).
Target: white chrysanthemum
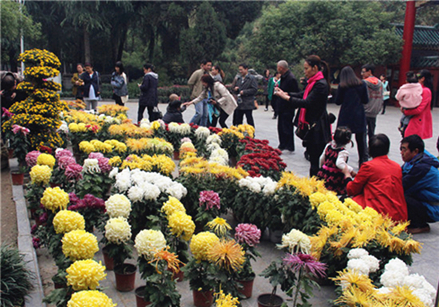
(213, 146)
(118, 230)
(359, 266)
(118, 205)
(384, 290)
(372, 262)
(64, 127)
(296, 241)
(148, 242)
(185, 129)
(392, 279)
(113, 172)
(145, 125)
(219, 152)
(425, 296)
(357, 253)
(397, 265)
(213, 138)
(219, 160)
(91, 166)
(150, 191)
(269, 188)
(174, 127)
(135, 194)
(414, 281)
(177, 190)
(202, 133)
(145, 121)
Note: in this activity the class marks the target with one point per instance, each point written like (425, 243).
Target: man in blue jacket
(420, 180)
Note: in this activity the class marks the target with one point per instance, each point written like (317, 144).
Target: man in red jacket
(378, 183)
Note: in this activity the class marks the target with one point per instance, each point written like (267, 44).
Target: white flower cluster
(109, 119)
(220, 156)
(213, 138)
(296, 241)
(63, 128)
(148, 242)
(396, 273)
(140, 185)
(262, 184)
(183, 129)
(144, 123)
(118, 205)
(91, 166)
(118, 230)
(202, 133)
(362, 262)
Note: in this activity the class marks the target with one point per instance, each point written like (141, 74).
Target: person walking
(265, 80)
(312, 113)
(91, 90)
(246, 88)
(77, 82)
(148, 93)
(284, 109)
(119, 84)
(386, 92)
(375, 92)
(194, 82)
(352, 96)
(217, 95)
(273, 84)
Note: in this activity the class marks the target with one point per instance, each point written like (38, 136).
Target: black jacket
(288, 84)
(173, 116)
(148, 89)
(249, 88)
(89, 81)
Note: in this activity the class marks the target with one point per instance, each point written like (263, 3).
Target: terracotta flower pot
(10, 153)
(202, 298)
(176, 155)
(125, 277)
(108, 261)
(269, 300)
(17, 178)
(247, 287)
(140, 297)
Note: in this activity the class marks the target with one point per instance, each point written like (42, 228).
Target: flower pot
(233, 161)
(140, 297)
(276, 236)
(247, 287)
(125, 277)
(54, 185)
(10, 153)
(176, 155)
(178, 276)
(108, 261)
(17, 178)
(202, 298)
(269, 300)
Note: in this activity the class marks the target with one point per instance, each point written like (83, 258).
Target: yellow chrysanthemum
(351, 204)
(46, 159)
(355, 297)
(403, 296)
(227, 254)
(219, 226)
(73, 127)
(79, 245)
(172, 205)
(412, 246)
(90, 298)
(118, 230)
(223, 300)
(115, 161)
(148, 242)
(86, 147)
(182, 225)
(353, 279)
(40, 174)
(66, 221)
(85, 275)
(155, 125)
(201, 243)
(55, 199)
(316, 199)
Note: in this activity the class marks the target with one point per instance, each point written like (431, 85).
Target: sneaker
(413, 231)
(266, 109)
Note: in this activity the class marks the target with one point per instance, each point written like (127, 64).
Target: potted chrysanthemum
(210, 204)
(117, 242)
(40, 176)
(86, 297)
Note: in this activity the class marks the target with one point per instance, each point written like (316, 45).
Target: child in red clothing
(334, 159)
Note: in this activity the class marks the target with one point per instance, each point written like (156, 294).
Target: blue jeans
(201, 114)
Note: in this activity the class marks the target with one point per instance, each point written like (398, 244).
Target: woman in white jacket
(219, 96)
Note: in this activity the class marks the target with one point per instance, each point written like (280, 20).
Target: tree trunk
(87, 45)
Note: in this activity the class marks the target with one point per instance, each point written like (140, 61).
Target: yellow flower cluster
(46, 159)
(85, 275)
(182, 225)
(187, 148)
(227, 254)
(76, 105)
(358, 290)
(219, 226)
(80, 117)
(129, 130)
(201, 244)
(303, 185)
(196, 165)
(231, 132)
(118, 230)
(39, 57)
(66, 221)
(40, 174)
(172, 205)
(90, 298)
(115, 161)
(40, 72)
(55, 199)
(25, 119)
(112, 110)
(79, 245)
(75, 128)
(148, 242)
(156, 163)
(44, 95)
(156, 145)
(223, 300)
(105, 147)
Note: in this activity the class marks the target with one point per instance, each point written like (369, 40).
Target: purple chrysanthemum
(63, 153)
(64, 161)
(104, 165)
(73, 198)
(210, 199)
(89, 201)
(95, 155)
(31, 158)
(248, 234)
(73, 171)
(299, 261)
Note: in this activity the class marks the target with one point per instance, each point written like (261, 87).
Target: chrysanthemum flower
(316, 199)
(85, 275)
(118, 230)
(248, 234)
(118, 205)
(55, 199)
(90, 298)
(201, 243)
(209, 199)
(31, 158)
(308, 263)
(202, 133)
(148, 242)
(40, 174)
(227, 254)
(65, 161)
(172, 205)
(115, 161)
(182, 225)
(73, 172)
(171, 259)
(352, 279)
(223, 300)
(46, 159)
(66, 221)
(79, 245)
(219, 226)
(91, 166)
(296, 241)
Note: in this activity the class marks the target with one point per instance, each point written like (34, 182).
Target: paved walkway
(426, 264)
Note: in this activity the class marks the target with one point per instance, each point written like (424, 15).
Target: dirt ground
(9, 230)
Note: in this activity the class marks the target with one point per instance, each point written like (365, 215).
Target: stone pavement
(426, 264)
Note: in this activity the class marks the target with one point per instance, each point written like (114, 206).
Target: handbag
(156, 113)
(303, 130)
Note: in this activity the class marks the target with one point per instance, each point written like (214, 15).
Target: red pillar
(409, 28)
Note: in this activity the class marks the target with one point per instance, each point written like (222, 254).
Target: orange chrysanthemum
(171, 259)
(227, 254)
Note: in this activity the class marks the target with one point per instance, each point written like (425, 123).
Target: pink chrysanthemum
(248, 234)
(64, 161)
(63, 153)
(6, 113)
(104, 165)
(89, 201)
(95, 155)
(73, 171)
(19, 129)
(73, 198)
(299, 261)
(210, 199)
(186, 139)
(31, 158)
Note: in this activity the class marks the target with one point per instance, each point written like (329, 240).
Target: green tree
(13, 20)
(353, 32)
